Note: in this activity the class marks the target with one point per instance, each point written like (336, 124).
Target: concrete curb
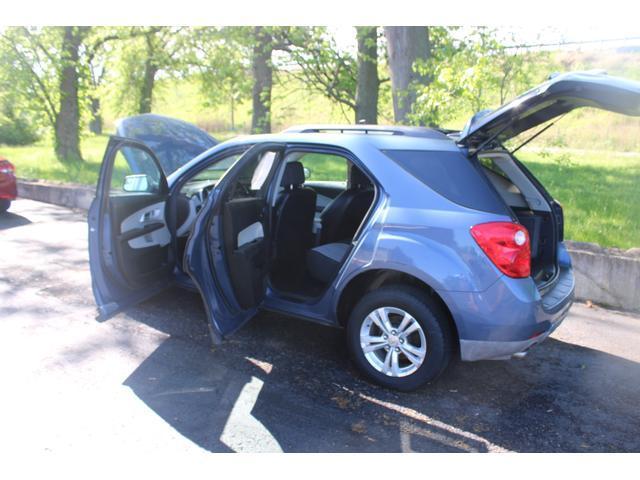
(605, 276)
(63, 194)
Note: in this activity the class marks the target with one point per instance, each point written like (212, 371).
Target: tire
(4, 205)
(395, 302)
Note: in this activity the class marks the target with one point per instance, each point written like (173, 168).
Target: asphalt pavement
(148, 380)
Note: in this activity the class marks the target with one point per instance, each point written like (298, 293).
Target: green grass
(38, 161)
(599, 191)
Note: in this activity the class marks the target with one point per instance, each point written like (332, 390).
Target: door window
(324, 167)
(252, 179)
(134, 171)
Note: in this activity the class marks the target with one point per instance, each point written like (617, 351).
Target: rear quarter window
(452, 175)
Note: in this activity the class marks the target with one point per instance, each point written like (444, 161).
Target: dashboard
(190, 201)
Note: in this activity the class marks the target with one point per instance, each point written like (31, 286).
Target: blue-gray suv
(422, 243)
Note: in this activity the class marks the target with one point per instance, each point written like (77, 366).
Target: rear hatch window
(452, 175)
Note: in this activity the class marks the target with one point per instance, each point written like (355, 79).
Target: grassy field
(599, 190)
(38, 161)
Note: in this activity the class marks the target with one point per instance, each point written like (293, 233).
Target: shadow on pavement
(11, 220)
(284, 384)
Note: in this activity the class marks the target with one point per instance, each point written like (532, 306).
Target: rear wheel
(399, 337)
(4, 205)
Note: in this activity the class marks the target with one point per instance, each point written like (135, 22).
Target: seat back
(342, 217)
(295, 209)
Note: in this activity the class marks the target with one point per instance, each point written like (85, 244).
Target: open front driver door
(129, 243)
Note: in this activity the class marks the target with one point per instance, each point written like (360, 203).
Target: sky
(345, 36)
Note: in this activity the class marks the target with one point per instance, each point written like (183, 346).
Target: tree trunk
(149, 77)
(67, 121)
(405, 45)
(262, 81)
(368, 82)
(148, 82)
(95, 124)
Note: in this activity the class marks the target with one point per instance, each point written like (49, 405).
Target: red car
(8, 189)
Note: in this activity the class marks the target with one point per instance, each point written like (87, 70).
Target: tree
(324, 68)
(144, 53)
(405, 47)
(353, 83)
(46, 70)
(368, 83)
(469, 73)
(98, 48)
(67, 122)
(221, 58)
(262, 69)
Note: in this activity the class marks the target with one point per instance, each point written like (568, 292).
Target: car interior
(529, 206)
(294, 236)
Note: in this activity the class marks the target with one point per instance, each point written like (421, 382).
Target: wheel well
(373, 279)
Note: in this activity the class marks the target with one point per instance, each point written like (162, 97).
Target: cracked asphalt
(148, 381)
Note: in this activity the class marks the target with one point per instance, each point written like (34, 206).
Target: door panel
(246, 259)
(226, 254)
(142, 238)
(146, 227)
(129, 243)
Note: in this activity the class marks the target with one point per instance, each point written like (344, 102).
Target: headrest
(293, 174)
(357, 179)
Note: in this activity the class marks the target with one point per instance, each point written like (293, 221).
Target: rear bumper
(510, 317)
(473, 350)
(8, 187)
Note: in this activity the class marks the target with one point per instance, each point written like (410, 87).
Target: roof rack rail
(351, 129)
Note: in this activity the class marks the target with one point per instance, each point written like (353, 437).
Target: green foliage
(31, 60)
(470, 73)
(141, 55)
(16, 129)
(322, 66)
(220, 58)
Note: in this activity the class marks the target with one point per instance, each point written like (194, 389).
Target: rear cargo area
(530, 207)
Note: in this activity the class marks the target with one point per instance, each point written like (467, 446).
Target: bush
(17, 131)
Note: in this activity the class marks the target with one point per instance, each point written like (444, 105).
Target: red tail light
(6, 166)
(507, 246)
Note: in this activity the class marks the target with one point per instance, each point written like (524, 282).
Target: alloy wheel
(393, 341)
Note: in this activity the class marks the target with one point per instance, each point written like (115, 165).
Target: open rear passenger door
(129, 243)
(227, 253)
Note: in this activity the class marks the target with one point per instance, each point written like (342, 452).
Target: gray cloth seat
(323, 262)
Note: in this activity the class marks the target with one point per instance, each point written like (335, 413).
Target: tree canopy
(57, 80)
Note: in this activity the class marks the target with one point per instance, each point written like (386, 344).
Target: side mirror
(307, 173)
(136, 183)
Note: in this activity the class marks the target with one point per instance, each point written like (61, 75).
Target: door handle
(146, 216)
(138, 232)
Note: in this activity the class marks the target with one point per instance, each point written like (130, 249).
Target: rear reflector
(507, 245)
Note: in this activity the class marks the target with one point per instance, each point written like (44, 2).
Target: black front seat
(295, 210)
(342, 217)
